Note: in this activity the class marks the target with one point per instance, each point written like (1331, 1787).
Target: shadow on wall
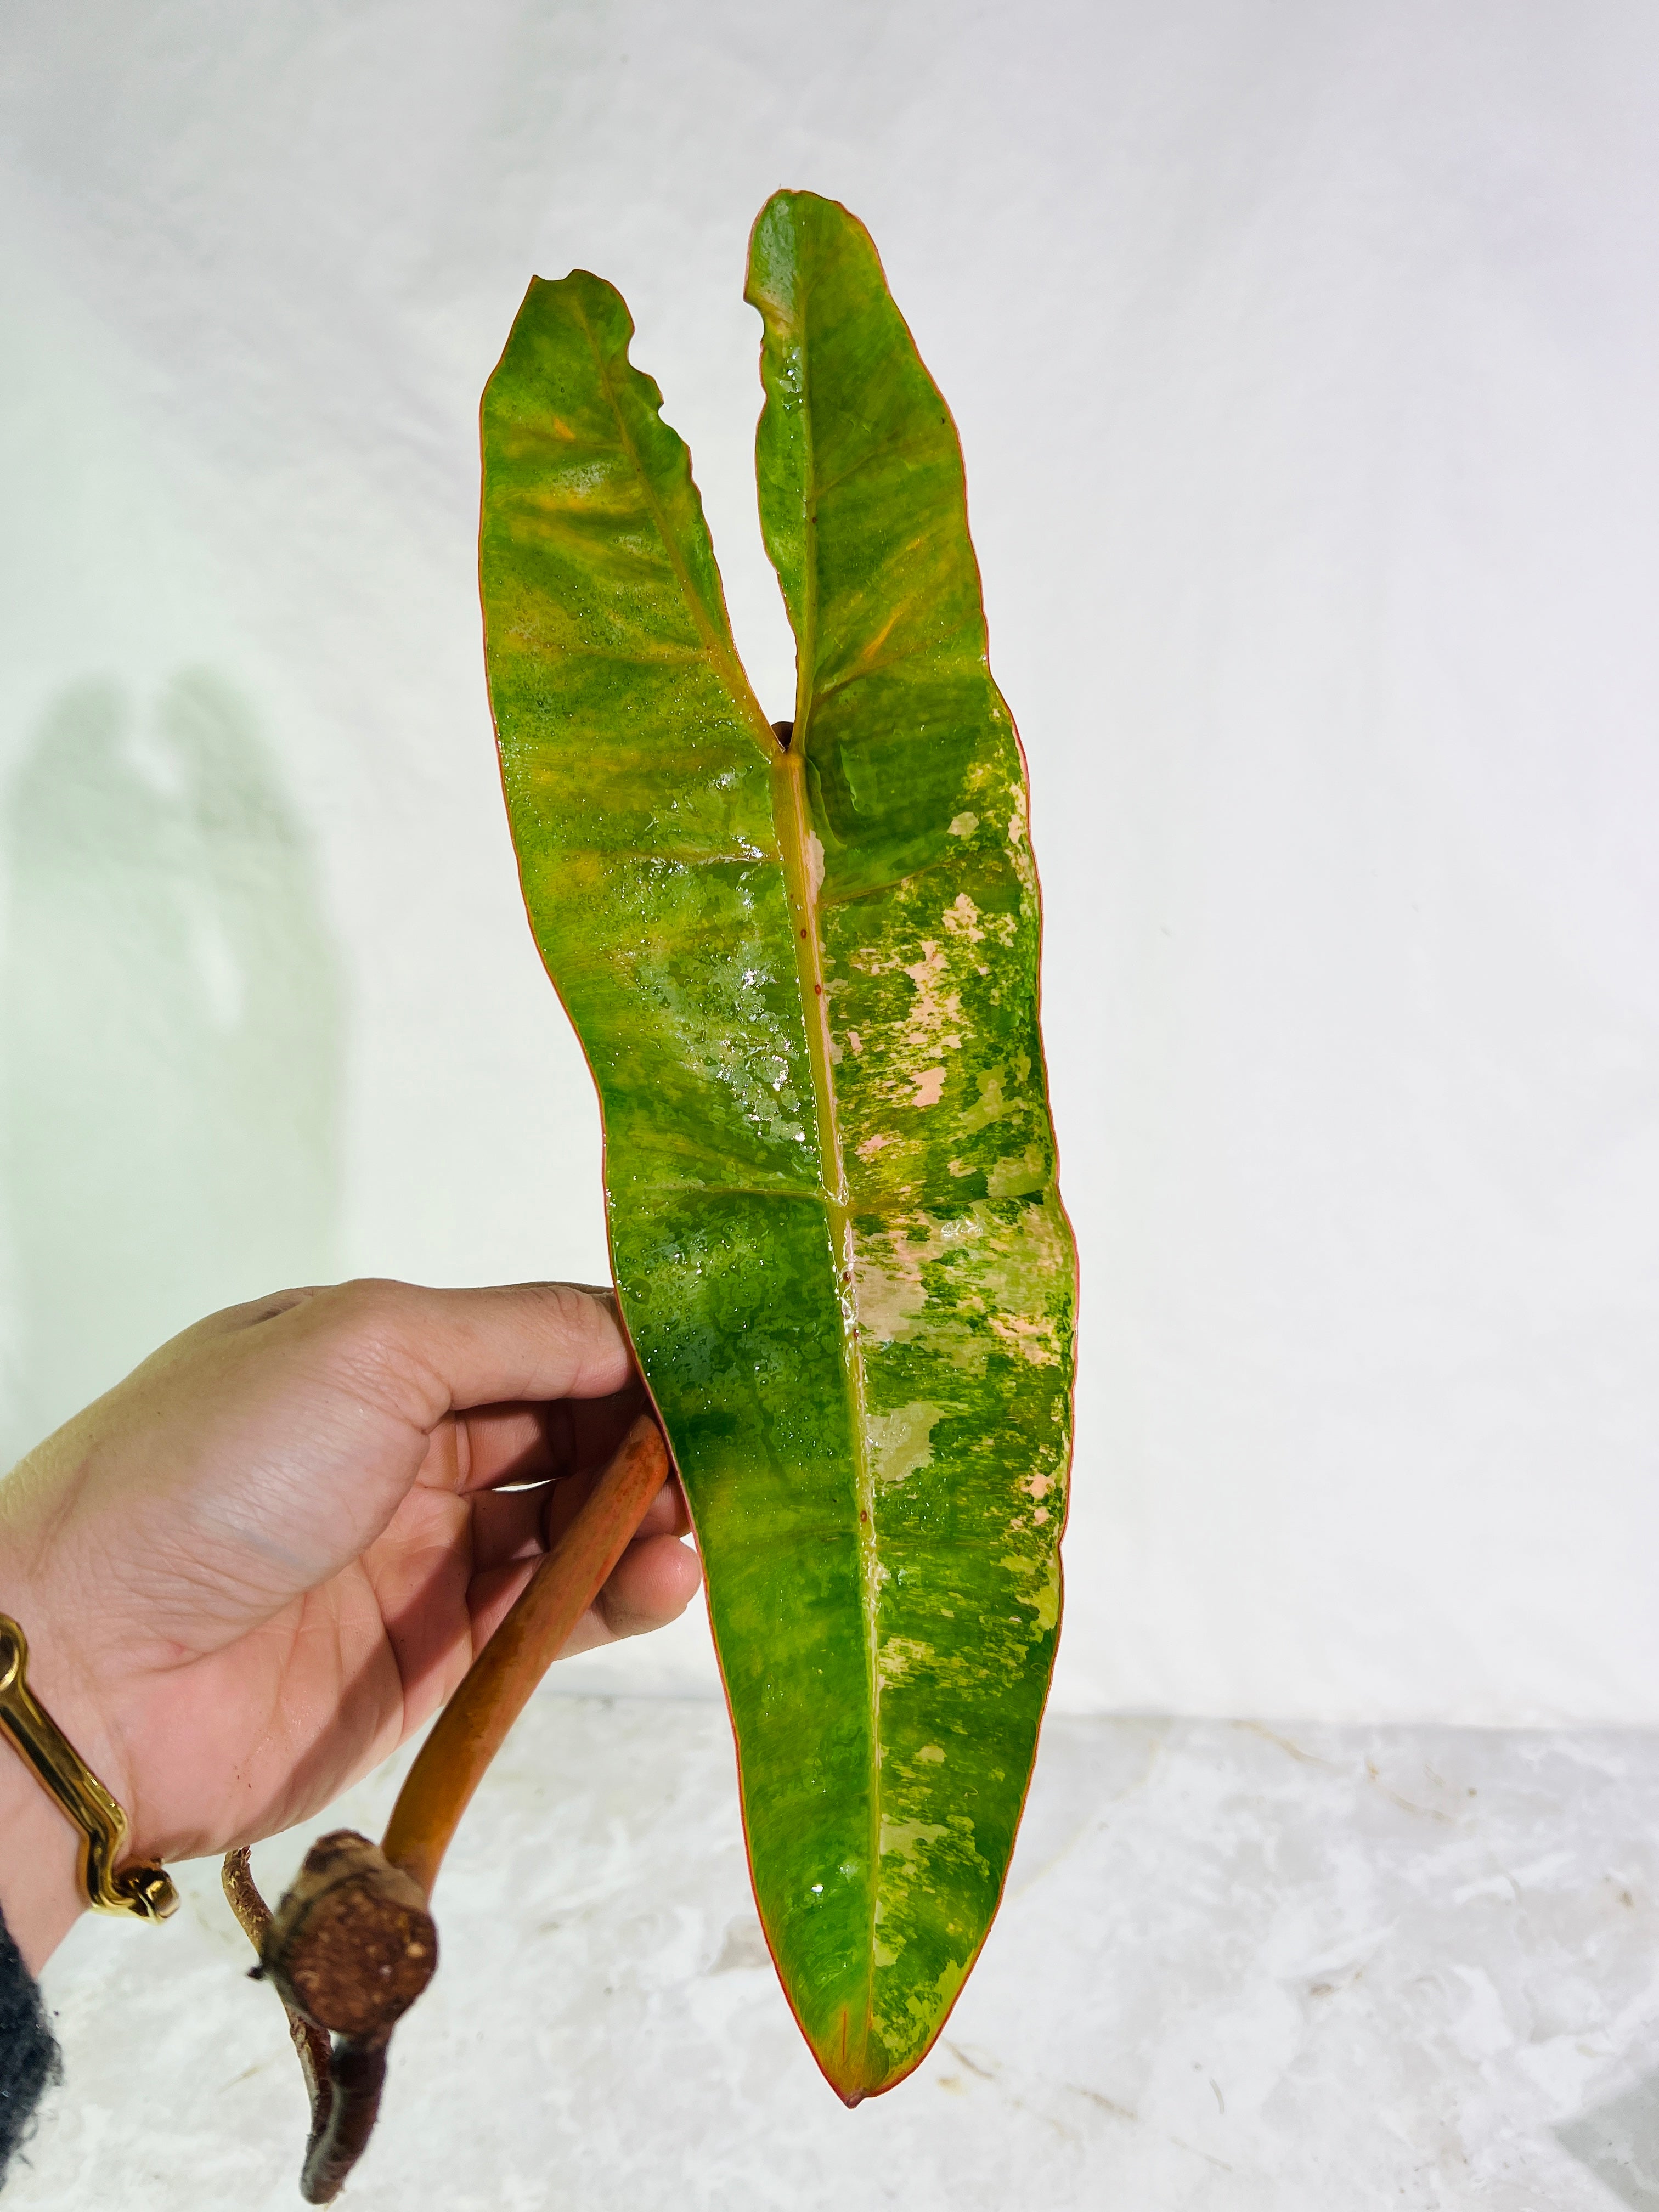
(170, 1003)
(1620, 2143)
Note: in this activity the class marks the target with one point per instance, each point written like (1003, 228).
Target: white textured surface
(1238, 1970)
(1305, 355)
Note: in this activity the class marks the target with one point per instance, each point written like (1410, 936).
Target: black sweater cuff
(28, 2058)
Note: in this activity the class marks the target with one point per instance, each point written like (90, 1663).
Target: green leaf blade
(807, 986)
(928, 919)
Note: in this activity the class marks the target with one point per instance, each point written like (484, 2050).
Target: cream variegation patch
(901, 1441)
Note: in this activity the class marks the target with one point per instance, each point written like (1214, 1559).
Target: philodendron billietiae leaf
(806, 975)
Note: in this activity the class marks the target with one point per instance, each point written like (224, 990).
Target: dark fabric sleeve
(28, 2058)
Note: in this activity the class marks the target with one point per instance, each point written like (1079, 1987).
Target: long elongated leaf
(805, 979)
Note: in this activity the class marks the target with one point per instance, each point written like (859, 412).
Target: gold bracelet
(146, 1891)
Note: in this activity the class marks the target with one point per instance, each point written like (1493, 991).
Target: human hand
(252, 1569)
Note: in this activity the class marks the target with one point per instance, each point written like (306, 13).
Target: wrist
(41, 1847)
(40, 1892)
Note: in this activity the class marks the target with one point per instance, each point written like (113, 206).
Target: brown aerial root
(347, 1950)
(352, 1944)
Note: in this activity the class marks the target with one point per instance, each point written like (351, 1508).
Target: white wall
(1304, 358)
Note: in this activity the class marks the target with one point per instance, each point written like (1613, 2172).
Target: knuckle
(376, 1354)
(577, 1311)
(585, 1321)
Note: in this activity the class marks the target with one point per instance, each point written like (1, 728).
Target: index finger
(424, 1354)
